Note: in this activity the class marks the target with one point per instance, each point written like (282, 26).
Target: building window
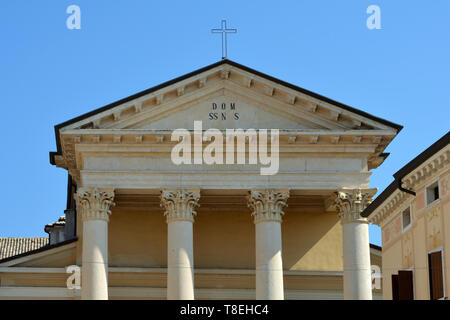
(406, 218)
(432, 192)
(436, 275)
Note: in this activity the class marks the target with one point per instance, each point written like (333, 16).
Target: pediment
(227, 96)
(226, 108)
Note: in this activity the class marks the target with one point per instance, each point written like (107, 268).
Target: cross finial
(224, 32)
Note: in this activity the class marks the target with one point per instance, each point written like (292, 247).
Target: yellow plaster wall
(430, 230)
(392, 258)
(311, 241)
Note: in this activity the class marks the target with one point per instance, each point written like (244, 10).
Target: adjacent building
(414, 215)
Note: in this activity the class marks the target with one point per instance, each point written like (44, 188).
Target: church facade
(224, 183)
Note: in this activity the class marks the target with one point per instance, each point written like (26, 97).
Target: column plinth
(179, 208)
(267, 211)
(94, 205)
(355, 228)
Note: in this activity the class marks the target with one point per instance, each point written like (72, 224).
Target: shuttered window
(436, 276)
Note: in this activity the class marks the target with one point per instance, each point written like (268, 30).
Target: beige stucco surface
(408, 249)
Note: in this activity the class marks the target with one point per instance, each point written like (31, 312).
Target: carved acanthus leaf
(267, 205)
(95, 203)
(179, 204)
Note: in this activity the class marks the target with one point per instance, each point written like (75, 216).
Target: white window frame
(439, 249)
(404, 229)
(426, 192)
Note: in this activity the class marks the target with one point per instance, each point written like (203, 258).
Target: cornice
(383, 213)
(237, 78)
(353, 141)
(412, 181)
(430, 167)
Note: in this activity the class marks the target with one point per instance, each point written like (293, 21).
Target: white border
(404, 229)
(438, 181)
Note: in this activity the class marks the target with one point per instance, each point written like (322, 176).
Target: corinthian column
(179, 208)
(357, 271)
(267, 206)
(94, 205)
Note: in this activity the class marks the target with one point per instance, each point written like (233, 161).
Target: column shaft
(269, 264)
(179, 211)
(180, 274)
(94, 271)
(357, 271)
(94, 205)
(267, 211)
(355, 232)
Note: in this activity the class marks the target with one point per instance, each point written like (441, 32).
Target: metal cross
(224, 32)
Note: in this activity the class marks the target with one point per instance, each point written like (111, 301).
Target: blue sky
(49, 74)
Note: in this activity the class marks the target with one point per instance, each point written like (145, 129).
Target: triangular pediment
(226, 95)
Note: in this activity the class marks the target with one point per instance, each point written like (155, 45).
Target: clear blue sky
(49, 74)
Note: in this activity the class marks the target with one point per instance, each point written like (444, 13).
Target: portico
(267, 210)
(224, 228)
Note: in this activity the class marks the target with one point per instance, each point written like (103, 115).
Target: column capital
(179, 204)
(267, 204)
(95, 203)
(351, 202)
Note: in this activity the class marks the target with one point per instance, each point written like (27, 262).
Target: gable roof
(404, 171)
(20, 244)
(199, 71)
(10, 247)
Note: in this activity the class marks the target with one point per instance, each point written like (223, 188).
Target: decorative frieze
(268, 90)
(248, 82)
(427, 169)
(408, 250)
(180, 91)
(314, 139)
(95, 203)
(334, 115)
(291, 99)
(159, 99)
(117, 139)
(225, 74)
(267, 205)
(202, 82)
(138, 107)
(350, 203)
(434, 225)
(180, 204)
(335, 139)
(117, 114)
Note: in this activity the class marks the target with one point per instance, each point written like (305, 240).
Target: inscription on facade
(223, 111)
